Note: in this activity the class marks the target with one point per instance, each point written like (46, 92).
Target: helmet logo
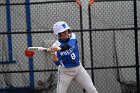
(64, 25)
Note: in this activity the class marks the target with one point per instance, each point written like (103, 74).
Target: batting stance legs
(78, 74)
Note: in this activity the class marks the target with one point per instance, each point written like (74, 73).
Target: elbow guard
(65, 47)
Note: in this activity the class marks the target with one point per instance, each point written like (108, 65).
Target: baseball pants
(78, 74)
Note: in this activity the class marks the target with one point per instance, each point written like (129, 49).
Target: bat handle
(39, 48)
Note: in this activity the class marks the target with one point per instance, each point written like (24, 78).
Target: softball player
(65, 54)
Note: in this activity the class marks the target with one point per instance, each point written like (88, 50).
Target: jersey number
(73, 56)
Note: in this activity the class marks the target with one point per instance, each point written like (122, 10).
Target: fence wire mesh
(106, 33)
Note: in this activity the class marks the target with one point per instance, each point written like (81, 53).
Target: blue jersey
(68, 58)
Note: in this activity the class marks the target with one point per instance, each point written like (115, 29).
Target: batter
(65, 55)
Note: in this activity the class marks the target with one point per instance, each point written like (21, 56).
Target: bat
(29, 52)
(39, 48)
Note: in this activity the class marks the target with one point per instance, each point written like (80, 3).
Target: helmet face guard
(60, 27)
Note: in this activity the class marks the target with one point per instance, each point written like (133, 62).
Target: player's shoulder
(73, 36)
(56, 43)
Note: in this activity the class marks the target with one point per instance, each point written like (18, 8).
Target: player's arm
(61, 48)
(55, 57)
(72, 42)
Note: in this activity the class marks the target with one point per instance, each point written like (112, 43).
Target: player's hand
(51, 51)
(56, 48)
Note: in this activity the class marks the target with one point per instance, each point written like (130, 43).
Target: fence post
(136, 46)
(29, 42)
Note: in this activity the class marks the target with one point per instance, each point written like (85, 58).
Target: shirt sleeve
(57, 43)
(73, 40)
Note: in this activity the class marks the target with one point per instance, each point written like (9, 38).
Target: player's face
(64, 35)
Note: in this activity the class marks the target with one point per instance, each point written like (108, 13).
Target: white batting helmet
(60, 26)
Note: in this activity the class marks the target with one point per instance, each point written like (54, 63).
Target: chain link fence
(108, 36)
